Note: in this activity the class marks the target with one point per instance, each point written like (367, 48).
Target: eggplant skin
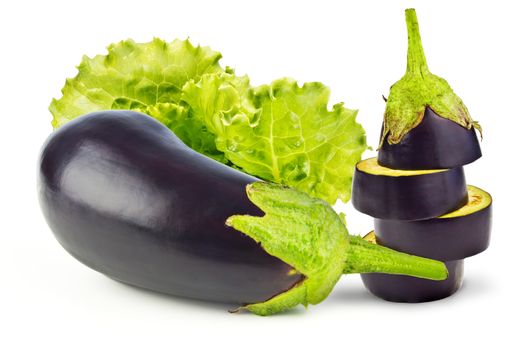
(436, 143)
(414, 197)
(407, 289)
(438, 238)
(126, 197)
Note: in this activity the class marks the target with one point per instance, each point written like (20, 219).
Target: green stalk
(366, 257)
(416, 60)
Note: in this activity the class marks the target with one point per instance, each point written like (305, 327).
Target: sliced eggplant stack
(395, 194)
(416, 189)
(406, 289)
(435, 143)
(457, 235)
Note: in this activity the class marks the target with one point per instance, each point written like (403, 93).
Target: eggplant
(453, 236)
(425, 124)
(407, 194)
(407, 289)
(127, 198)
(435, 143)
(124, 196)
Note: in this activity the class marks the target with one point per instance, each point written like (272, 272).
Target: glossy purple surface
(436, 143)
(126, 197)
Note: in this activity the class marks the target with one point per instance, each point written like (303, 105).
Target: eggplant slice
(407, 194)
(406, 289)
(457, 235)
(436, 143)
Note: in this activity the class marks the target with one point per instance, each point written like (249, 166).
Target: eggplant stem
(416, 60)
(366, 257)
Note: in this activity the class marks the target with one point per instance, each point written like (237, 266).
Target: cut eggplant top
(426, 125)
(477, 201)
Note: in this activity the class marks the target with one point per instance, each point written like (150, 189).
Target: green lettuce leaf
(215, 102)
(287, 135)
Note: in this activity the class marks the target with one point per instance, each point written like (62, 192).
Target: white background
(49, 300)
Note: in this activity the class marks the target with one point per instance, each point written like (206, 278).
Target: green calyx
(417, 90)
(310, 236)
(301, 231)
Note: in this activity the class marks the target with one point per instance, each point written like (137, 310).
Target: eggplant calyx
(367, 257)
(417, 90)
(303, 232)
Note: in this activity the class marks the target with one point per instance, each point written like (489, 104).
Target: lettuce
(146, 78)
(280, 132)
(285, 135)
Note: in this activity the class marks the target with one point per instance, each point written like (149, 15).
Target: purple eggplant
(453, 236)
(407, 289)
(407, 194)
(436, 143)
(126, 197)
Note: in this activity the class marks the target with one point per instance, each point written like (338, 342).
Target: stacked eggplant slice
(415, 189)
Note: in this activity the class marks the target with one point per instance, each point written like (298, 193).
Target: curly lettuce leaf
(144, 77)
(218, 100)
(300, 141)
(280, 132)
(286, 136)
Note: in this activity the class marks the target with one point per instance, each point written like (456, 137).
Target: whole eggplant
(126, 197)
